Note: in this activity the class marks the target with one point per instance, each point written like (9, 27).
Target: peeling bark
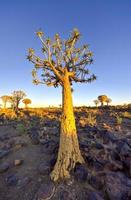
(69, 152)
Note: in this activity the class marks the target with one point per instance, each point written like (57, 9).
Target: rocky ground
(28, 151)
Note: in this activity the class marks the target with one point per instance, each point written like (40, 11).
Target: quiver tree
(108, 101)
(96, 102)
(17, 96)
(102, 99)
(5, 99)
(26, 102)
(63, 63)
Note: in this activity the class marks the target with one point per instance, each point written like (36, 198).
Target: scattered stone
(11, 180)
(4, 137)
(123, 148)
(4, 167)
(109, 137)
(94, 196)
(53, 161)
(116, 186)
(89, 159)
(18, 146)
(23, 182)
(80, 172)
(44, 169)
(99, 145)
(3, 153)
(18, 162)
(96, 182)
(98, 165)
(46, 191)
(34, 135)
(65, 195)
(114, 165)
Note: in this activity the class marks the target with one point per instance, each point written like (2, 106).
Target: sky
(104, 24)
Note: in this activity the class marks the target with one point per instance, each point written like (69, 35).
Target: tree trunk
(69, 152)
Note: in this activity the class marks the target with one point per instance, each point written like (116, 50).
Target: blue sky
(104, 24)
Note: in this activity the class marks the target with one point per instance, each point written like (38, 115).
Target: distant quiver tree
(102, 99)
(5, 99)
(17, 96)
(26, 102)
(108, 101)
(96, 102)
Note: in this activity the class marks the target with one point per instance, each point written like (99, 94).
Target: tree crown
(60, 57)
(102, 98)
(26, 101)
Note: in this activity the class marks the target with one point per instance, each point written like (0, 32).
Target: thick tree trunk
(69, 152)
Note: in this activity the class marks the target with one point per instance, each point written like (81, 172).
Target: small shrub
(118, 120)
(21, 128)
(127, 115)
(90, 120)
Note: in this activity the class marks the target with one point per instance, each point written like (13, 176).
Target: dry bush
(89, 120)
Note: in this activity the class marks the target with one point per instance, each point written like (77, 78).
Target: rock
(11, 180)
(44, 168)
(34, 138)
(96, 182)
(114, 165)
(23, 182)
(65, 195)
(52, 161)
(18, 146)
(3, 153)
(4, 137)
(99, 145)
(45, 142)
(89, 159)
(114, 155)
(18, 162)
(116, 186)
(98, 165)
(94, 196)
(123, 148)
(46, 190)
(109, 137)
(80, 172)
(4, 167)
(34, 135)
(83, 142)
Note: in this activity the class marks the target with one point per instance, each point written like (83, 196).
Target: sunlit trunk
(69, 152)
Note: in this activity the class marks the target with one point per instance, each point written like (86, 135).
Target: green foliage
(21, 128)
